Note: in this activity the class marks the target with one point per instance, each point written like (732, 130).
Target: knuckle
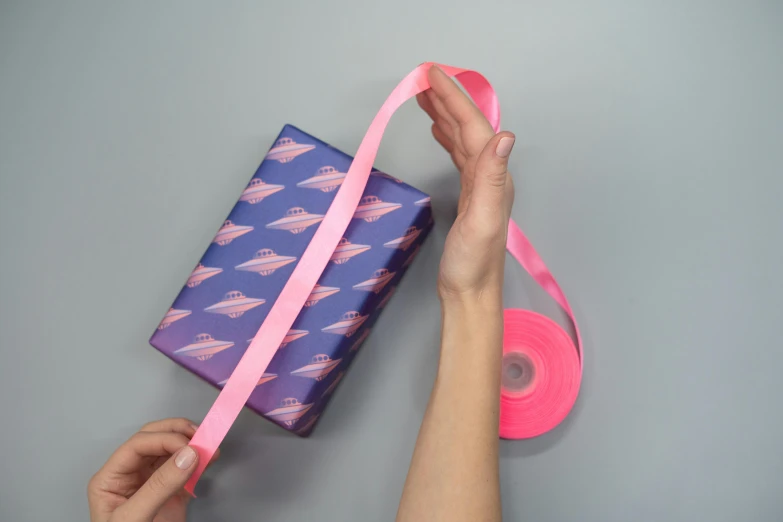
(93, 484)
(180, 439)
(158, 482)
(497, 178)
(477, 228)
(458, 158)
(486, 227)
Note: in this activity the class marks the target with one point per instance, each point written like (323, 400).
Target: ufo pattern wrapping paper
(229, 293)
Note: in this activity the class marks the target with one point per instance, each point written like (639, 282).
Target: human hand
(471, 268)
(143, 480)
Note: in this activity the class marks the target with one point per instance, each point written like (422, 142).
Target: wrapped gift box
(228, 295)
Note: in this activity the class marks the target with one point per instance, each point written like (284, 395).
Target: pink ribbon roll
(549, 365)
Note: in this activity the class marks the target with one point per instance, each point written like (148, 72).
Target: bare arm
(454, 470)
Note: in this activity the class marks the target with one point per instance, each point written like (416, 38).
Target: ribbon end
(204, 458)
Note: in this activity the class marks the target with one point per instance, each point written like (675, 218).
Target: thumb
(167, 481)
(492, 186)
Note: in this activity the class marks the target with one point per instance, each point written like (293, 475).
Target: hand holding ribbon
(473, 259)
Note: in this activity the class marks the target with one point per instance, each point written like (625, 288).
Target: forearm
(454, 470)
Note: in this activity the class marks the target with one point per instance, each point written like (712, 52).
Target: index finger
(131, 456)
(178, 424)
(457, 103)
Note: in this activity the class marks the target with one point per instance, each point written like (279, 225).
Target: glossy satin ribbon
(554, 373)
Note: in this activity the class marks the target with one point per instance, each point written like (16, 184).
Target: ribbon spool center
(517, 372)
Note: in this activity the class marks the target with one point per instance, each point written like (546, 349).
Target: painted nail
(504, 146)
(185, 458)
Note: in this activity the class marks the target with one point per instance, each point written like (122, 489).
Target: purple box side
(239, 277)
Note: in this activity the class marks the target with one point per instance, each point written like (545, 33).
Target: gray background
(648, 171)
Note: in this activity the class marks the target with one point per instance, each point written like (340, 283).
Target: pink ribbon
(292, 298)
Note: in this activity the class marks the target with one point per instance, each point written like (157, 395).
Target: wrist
(482, 302)
(469, 324)
(471, 346)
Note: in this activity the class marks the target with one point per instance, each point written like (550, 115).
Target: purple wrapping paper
(228, 295)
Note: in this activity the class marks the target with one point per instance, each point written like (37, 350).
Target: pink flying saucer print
(379, 279)
(404, 241)
(265, 262)
(296, 220)
(326, 179)
(289, 411)
(371, 208)
(203, 347)
(346, 250)
(286, 149)
(319, 367)
(290, 337)
(234, 304)
(229, 232)
(257, 190)
(320, 292)
(380, 174)
(171, 316)
(200, 273)
(349, 322)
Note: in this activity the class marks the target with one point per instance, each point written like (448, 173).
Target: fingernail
(504, 146)
(195, 428)
(185, 458)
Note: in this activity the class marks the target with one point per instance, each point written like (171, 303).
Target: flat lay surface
(647, 168)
